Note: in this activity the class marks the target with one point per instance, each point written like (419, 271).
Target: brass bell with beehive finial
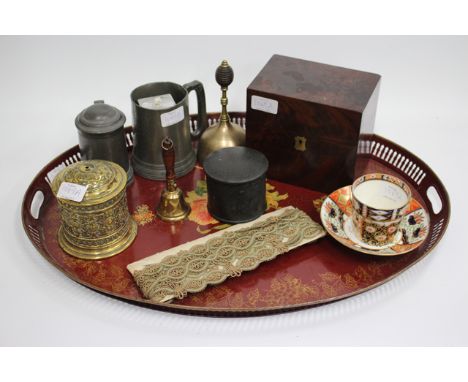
(224, 133)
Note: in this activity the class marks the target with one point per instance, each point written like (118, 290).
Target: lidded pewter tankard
(101, 135)
(100, 225)
(160, 110)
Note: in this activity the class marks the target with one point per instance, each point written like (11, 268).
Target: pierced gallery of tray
(321, 272)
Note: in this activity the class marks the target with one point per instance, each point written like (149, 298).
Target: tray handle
(438, 205)
(36, 204)
(435, 200)
(32, 203)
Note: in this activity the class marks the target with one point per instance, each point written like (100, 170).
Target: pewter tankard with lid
(101, 135)
(166, 115)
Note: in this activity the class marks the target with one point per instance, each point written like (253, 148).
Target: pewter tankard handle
(202, 120)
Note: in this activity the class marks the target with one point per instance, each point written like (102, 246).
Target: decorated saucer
(336, 213)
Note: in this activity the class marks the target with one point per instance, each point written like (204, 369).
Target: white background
(46, 81)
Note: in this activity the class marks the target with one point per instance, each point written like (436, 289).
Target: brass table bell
(172, 206)
(224, 133)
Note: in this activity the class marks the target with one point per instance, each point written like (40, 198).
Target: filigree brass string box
(100, 225)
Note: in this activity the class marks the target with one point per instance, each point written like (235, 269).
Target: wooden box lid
(315, 82)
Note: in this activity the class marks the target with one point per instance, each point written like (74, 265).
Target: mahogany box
(307, 118)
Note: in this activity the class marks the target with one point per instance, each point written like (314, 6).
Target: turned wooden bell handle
(168, 154)
(224, 74)
(224, 77)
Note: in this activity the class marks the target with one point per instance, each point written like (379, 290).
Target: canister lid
(100, 118)
(104, 180)
(235, 165)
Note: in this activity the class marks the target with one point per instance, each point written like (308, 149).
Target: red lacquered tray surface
(320, 272)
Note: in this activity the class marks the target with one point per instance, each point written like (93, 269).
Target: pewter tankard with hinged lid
(160, 110)
(101, 135)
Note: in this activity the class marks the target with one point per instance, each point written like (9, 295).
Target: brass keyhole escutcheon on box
(300, 143)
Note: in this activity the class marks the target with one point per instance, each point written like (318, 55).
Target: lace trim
(227, 255)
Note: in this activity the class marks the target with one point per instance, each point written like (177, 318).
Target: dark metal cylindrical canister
(99, 225)
(235, 178)
(101, 135)
(161, 109)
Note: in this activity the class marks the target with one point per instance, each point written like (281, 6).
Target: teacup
(379, 204)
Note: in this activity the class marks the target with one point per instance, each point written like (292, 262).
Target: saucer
(336, 218)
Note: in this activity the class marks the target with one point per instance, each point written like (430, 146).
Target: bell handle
(202, 119)
(168, 154)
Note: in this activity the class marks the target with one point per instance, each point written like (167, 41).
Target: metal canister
(99, 225)
(101, 135)
(236, 183)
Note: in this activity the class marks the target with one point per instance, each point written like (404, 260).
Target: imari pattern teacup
(379, 204)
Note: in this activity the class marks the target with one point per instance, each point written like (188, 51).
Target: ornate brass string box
(100, 225)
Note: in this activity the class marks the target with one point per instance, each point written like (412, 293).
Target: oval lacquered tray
(317, 273)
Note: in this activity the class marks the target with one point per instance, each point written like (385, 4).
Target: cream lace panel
(226, 255)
